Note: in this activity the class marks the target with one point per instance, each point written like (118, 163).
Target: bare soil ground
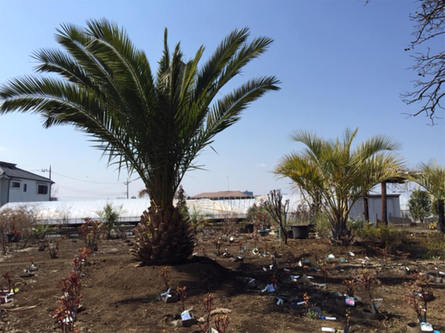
(121, 296)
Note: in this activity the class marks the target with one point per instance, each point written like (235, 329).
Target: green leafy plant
(334, 175)
(419, 204)
(110, 216)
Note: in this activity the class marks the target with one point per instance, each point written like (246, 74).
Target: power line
(84, 180)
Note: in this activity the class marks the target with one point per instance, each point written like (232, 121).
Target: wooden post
(384, 210)
(366, 208)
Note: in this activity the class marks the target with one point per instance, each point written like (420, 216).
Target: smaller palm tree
(334, 175)
(432, 178)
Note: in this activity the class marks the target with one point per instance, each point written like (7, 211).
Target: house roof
(9, 170)
(222, 194)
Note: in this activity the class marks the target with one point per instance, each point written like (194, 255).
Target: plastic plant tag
(251, 282)
(165, 295)
(185, 315)
(5, 299)
(280, 301)
(269, 288)
(350, 301)
(328, 329)
(426, 327)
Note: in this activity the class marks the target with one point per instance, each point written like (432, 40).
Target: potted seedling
(419, 296)
(167, 296)
(368, 280)
(186, 317)
(53, 249)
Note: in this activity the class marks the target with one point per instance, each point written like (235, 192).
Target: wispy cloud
(261, 165)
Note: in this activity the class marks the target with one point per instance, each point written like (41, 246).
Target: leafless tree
(429, 62)
(278, 210)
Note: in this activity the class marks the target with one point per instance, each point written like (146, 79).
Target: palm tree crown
(432, 178)
(152, 124)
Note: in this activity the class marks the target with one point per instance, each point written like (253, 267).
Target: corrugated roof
(11, 171)
(222, 194)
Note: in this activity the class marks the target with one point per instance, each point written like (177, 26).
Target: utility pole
(127, 183)
(49, 173)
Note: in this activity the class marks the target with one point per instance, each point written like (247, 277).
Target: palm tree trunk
(163, 236)
(366, 207)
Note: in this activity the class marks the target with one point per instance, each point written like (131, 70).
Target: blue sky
(341, 64)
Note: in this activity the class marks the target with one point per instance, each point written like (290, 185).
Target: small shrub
(323, 226)
(383, 236)
(53, 249)
(433, 245)
(110, 216)
(91, 232)
(15, 224)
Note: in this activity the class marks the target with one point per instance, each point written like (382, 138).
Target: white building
(18, 185)
(375, 207)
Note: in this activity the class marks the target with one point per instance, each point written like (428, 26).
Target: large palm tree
(154, 125)
(432, 178)
(336, 175)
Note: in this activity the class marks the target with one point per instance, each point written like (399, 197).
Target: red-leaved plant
(208, 305)
(68, 305)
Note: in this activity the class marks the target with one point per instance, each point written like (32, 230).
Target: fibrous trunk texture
(163, 236)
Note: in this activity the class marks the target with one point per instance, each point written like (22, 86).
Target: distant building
(17, 185)
(375, 207)
(224, 195)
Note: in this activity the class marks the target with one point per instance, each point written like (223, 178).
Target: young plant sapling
(165, 277)
(8, 279)
(91, 232)
(53, 249)
(68, 304)
(221, 323)
(368, 280)
(182, 294)
(420, 291)
(208, 307)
